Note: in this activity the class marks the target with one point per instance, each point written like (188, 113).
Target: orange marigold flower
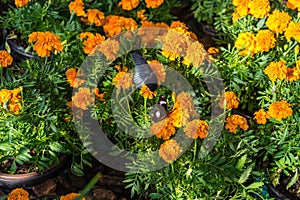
(21, 3)
(141, 15)
(109, 48)
(129, 4)
(45, 42)
(185, 101)
(91, 42)
(259, 8)
(95, 16)
(179, 116)
(293, 74)
(18, 194)
(195, 54)
(233, 121)
(280, 109)
(5, 58)
(230, 100)
(293, 31)
(241, 9)
(77, 7)
(83, 98)
(153, 3)
(70, 196)
(170, 150)
(98, 95)
(12, 99)
(163, 129)
(196, 128)
(116, 24)
(71, 78)
(261, 116)
(147, 93)
(278, 21)
(293, 4)
(265, 40)
(123, 80)
(246, 43)
(159, 70)
(212, 51)
(276, 70)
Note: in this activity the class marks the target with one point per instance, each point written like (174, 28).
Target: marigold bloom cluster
(261, 116)
(276, 70)
(233, 121)
(256, 8)
(123, 80)
(116, 24)
(278, 21)
(293, 4)
(70, 196)
(95, 16)
(248, 43)
(5, 58)
(280, 109)
(91, 42)
(147, 93)
(141, 15)
(159, 70)
(11, 100)
(230, 100)
(45, 42)
(83, 98)
(293, 31)
(18, 194)
(153, 3)
(170, 150)
(163, 129)
(196, 128)
(129, 4)
(21, 3)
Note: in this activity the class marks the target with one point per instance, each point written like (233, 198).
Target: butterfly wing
(160, 110)
(143, 74)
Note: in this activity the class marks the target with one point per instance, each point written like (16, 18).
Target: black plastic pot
(275, 193)
(18, 52)
(11, 181)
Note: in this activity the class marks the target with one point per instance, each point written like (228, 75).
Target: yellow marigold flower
(195, 54)
(293, 4)
(278, 21)
(71, 78)
(293, 31)
(153, 3)
(121, 68)
(83, 98)
(5, 95)
(18, 194)
(174, 44)
(149, 34)
(179, 116)
(91, 42)
(170, 150)
(21, 3)
(123, 80)
(141, 15)
(280, 109)
(12, 99)
(5, 58)
(45, 42)
(259, 8)
(241, 9)
(178, 24)
(212, 51)
(129, 4)
(77, 6)
(233, 121)
(246, 43)
(293, 74)
(109, 48)
(276, 70)
(147, 93)
(70, 196)
(230, 99)
(163, 129)
(116, 24)
(159, 70)
(261, 116)
(95, 16)
(265, 40)
(196, 128)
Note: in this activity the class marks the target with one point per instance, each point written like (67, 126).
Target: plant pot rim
(11, 181)
(19, 49)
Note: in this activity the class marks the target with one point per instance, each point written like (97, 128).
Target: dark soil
(294, 191)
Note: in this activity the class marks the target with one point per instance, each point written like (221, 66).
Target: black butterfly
(160, 110)
(143, 74)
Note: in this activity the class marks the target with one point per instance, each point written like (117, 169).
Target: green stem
(195, 150)
(145, 109)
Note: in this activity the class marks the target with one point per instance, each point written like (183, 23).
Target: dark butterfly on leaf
(143, 74)
(160, 110)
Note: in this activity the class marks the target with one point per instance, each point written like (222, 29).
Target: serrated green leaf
(55, 146)
(293, 180)
(241, 162)
(245, 175)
